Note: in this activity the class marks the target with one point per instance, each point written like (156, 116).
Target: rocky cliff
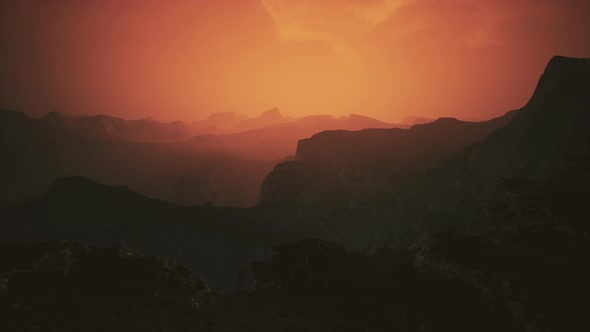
(390, 186)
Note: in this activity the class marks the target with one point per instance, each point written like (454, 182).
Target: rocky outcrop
(446, 281)
(67, 286)
(528, 273)
(503, 280)
(550, 135)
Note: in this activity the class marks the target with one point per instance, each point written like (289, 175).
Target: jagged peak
(271, 113)
(560, 63)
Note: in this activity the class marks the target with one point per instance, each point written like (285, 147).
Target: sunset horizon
(294, 165)
(184, 60)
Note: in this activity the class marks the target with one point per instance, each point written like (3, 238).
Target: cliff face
(353, 160)
(549, 135)
(390, 186)
(420, 146)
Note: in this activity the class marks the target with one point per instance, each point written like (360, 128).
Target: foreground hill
(67, 286)
(514, 278)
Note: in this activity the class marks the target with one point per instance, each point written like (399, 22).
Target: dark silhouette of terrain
(36, 152)
(534, 278)
(376, 187)
(112, 128)
(229, 122)
(277, 141)
(159, 160)
(214, 242)
(148, 130)
(449, 225)
(414, 120)
(67, 286)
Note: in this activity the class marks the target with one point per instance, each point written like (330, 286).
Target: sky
(181, 60)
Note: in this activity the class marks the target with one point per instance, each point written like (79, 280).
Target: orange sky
(185, 59)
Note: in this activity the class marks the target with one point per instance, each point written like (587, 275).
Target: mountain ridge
(340, 186)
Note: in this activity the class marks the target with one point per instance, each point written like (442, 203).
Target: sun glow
(185, 59)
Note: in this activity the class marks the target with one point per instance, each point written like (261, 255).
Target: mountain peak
(272, 113)
(569, 75)
(563, 64)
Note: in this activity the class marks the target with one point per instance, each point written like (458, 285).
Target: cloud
(329, 21)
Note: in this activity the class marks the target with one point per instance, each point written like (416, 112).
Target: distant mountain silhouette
(159, 160)
(37, 152)
(108, 127)
(414, 120)
(269, 118)
(277, 141)
(149, 130)
(229, 122)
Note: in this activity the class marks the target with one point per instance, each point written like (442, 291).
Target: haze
(185, 59)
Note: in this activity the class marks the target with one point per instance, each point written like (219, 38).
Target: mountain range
(448, 225)
(159, 160)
